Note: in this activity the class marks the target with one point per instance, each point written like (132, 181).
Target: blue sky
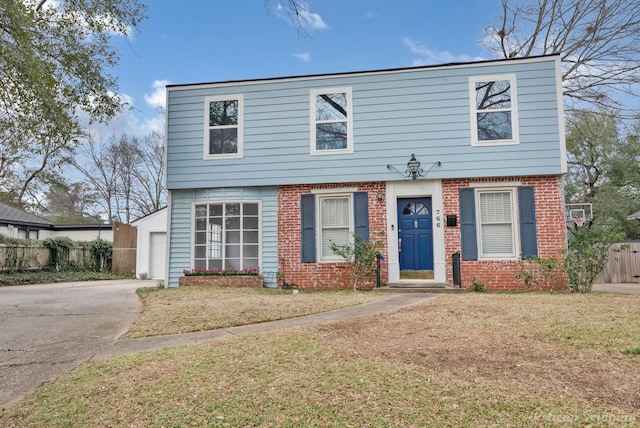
(194, 41)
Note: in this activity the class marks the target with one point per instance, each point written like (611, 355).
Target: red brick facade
(326, 276)
(550, 230)
(493, 274)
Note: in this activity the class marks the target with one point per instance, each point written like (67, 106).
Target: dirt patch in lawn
(560, 343)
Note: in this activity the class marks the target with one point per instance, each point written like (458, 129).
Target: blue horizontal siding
(182, 223)
(421, 111)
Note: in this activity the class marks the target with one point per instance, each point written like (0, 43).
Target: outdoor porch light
(413, 168)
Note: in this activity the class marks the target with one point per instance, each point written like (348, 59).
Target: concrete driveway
(49, 329)
(622, 288)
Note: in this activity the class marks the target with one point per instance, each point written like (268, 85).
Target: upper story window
(331, 121)
(223, 127)
(494, 114)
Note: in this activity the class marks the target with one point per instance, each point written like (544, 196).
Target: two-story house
(267, 173)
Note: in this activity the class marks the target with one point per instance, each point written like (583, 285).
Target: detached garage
(152, 245)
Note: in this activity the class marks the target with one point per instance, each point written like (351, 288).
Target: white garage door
(158, 255)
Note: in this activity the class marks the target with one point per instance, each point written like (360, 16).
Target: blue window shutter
(361, 214)
(308, 217)
(526, 206)
(468, 233)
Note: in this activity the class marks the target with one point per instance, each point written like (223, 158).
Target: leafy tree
(71, 204)
(604, 168)
(598, 41)
(29, 168)
(590, 139)
(625, 180)
(55, 58)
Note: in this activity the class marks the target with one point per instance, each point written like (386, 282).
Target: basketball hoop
(578, 215)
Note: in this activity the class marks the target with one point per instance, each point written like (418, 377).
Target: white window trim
(333, 191)
(230, 201)
(496, 184)
(515, 223)
(319, 198)
(515, 129)
(240, 126)
(312, 120)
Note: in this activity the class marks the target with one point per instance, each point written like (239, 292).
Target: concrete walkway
(390, 303)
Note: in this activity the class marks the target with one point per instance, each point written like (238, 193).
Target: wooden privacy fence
(622, 266)
(36, 256)
(125, 239)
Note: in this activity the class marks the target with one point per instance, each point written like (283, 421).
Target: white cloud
(371, 15)
(158, 98)
(311, 20)
(125, 122)
(307, 19)
(154, 124)
(429, 57)
(304, 56)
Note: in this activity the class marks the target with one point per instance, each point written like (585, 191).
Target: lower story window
(335, 224)
(227, 236)
(496, 214)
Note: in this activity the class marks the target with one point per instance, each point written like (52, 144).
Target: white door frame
(416, 189)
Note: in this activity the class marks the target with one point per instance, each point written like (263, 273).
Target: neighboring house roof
(158, 211)
(15, 216)
(634, 216)
(92, 226)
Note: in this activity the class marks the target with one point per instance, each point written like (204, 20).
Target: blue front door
(415, 235)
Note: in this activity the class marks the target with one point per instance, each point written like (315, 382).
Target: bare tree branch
(296, 10)
(598, 41)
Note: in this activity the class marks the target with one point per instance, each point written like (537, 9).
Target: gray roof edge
(11, 215)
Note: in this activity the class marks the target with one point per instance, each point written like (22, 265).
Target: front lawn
(477, 359)
(187, 309)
